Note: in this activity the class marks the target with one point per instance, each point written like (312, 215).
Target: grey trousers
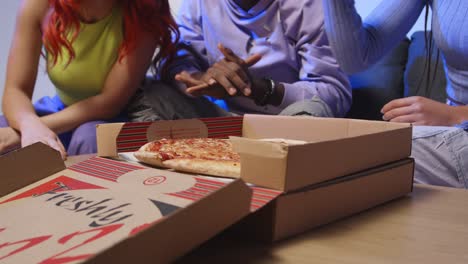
(441, 155)
(158, 101)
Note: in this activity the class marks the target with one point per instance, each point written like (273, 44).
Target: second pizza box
(105, 211)
(347, 165)
(300, 210)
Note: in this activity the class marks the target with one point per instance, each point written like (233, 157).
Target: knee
(83, 140)
(312, 107)
(157, 90)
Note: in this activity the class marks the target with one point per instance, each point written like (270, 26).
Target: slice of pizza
(208, 156)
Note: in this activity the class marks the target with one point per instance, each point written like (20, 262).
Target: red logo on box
(155, 180)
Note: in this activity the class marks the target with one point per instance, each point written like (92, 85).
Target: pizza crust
(223, 168)
(149, 158)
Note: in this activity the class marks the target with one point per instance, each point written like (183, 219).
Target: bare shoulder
(33, 11)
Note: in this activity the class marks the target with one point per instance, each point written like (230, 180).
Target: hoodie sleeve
(356, 44)
(319, 73)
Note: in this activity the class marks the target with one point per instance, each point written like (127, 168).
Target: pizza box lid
(335, 147)
(106, 211)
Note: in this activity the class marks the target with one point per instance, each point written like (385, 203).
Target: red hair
(139, 16)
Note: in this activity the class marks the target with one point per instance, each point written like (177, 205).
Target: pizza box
(298, 211)
(105, 211)
(320, 181)
(335, 147)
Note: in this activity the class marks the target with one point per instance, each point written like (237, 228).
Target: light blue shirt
(288, 33)
(358, 45)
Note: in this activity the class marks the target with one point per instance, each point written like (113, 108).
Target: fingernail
(212, 81)
(247, 91)
(232, 91)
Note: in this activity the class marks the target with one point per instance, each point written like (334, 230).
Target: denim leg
(441, 155)
(83, 139)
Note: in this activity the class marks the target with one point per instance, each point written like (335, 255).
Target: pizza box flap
(263, 163)
(330, 159)
(335, 147)
(314, 129)
(116, 212)
(28, 165)
(186, 229)
(107, 139)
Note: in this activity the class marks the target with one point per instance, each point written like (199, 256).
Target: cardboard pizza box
(335, 147)
(105, 211)
(300, 210)
(320, 181)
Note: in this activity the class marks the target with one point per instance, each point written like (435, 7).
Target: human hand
(9, 139)
(38, 132)
(419, 111)
(197, 87)
(229, 76)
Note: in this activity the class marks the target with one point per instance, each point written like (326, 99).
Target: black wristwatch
(262, 101)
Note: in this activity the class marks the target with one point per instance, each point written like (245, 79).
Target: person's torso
(96, 49)
(257, 31)
(450, 31)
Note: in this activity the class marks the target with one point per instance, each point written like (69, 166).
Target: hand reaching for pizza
(9, 139)
(228, 77)
(38, 132)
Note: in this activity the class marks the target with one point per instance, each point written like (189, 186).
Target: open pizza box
(321, 181)
(105, 211)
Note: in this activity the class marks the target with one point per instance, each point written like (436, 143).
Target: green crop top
(96, 48)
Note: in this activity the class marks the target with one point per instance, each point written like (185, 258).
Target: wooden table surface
(428, 226)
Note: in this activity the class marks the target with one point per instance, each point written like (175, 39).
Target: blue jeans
(441, 155)
(81, 140)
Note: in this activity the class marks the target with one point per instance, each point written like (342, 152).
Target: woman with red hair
(97, 53)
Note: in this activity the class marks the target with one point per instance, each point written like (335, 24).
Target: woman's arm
(23, 63)
(120, 85)
(21, 74)
(358, 45)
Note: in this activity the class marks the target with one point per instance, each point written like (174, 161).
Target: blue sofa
(397, 75)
